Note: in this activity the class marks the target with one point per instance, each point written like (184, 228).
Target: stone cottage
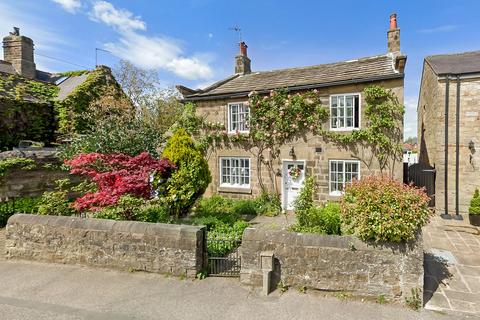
(38, 105)
(339, 85)
(449, 128)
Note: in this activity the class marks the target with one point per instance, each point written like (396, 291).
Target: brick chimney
(18, 50)
(393, 35)
(242, 62)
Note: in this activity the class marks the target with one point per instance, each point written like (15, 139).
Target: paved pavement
(452, 266)
(31, 290)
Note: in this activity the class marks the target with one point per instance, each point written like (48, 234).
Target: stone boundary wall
(334, 263)
(127, 245)
(34, 182)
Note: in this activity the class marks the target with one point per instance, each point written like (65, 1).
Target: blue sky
(190, 42)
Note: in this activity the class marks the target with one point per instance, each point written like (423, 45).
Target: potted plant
(474, 210)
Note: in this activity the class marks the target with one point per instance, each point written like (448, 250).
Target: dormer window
(345, 112)
(238, 116)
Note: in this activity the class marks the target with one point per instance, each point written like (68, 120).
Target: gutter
(292, 88)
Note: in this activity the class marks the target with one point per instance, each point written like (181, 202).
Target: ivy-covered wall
(23, 120)
(29, 110)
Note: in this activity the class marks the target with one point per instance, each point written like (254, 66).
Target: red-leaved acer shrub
(116, 175)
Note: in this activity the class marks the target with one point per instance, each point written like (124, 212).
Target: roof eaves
(200, 97)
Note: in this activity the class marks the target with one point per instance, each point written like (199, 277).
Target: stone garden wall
(334, 263)
(31, 183)
(125, 245)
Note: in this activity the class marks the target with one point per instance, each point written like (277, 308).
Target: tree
(191, 178)
(116, 175)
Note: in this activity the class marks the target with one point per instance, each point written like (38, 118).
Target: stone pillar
(18, 50)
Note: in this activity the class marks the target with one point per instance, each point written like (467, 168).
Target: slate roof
(359, 70)
(458, 63)
(69, 84)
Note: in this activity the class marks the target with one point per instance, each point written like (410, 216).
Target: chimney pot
(243, 48)
(393, 21)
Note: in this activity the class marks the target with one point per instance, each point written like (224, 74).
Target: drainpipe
(445, 215)
(457, 151)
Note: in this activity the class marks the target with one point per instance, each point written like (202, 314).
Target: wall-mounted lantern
(292, 153)
(471, 146)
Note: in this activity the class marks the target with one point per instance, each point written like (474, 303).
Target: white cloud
(71, 6)
(120, 19)
(159, 53)
(410, 120)
(444, 28)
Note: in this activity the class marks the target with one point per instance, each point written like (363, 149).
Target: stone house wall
(432, 139)
(126, 245)
(334, 263)
(317, 163)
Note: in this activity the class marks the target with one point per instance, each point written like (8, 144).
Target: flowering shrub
(380, 208)
(116, 175)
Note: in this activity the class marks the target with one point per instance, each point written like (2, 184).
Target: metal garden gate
(223, 257)
(423, 175)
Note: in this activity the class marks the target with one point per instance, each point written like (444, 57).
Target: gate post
(266, 264)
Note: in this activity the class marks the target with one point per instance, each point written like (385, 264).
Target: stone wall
(126, 245)
(31, 183)
(334, 263)
(312, 150)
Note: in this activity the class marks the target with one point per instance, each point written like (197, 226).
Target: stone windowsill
(234, 190)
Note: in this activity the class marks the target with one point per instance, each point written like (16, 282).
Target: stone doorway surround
(452, 266)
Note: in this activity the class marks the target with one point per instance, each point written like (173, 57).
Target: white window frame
(229, 116)
(343, 161)
(345, 128)
(234, 185)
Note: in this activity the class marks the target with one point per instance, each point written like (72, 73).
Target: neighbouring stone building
(451, 86)
(339, 85)
(43, 106)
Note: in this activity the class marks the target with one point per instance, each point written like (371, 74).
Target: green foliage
(474, 208)
(382, 209)
(17, 205)
(268, 204)
(191, 178)
(70, 111)
(414, 301)
(223, 219)
(118, 133)
(18, 88)
(56, 202)
(25, 120)
(324, 219)
(132, 208)
(8, 164)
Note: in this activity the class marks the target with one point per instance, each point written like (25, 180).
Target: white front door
(293, 177)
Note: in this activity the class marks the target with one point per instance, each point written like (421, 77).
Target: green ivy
(6, 165)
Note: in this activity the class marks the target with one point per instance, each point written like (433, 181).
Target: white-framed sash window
(238, 116)
(342, 173)
(235, 172)
(345, 111)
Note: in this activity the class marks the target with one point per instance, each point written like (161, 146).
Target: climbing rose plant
(281, 117)
(116, 175)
